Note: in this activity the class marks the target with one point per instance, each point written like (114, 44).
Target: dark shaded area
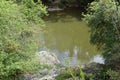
(61, 15)
(66, 3)
(35, 0)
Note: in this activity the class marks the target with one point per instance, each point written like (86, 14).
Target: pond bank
(56, 71)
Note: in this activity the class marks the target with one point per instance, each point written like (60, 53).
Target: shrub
(17, 39)
(103, 18)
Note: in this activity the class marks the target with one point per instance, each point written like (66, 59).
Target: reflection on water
(67, 36)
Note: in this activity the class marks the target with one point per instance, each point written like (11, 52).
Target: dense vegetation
(18, 42)
(104, 21)
(103, 18)
(19, 21)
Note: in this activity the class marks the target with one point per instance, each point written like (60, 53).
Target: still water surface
(66, 35)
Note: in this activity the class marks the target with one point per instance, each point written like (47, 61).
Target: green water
(66, 35)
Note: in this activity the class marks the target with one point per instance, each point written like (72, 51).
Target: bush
(17, 39)
(113, 75)
(103, 18)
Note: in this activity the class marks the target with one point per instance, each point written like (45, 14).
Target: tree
(103, 18)
(17, 37)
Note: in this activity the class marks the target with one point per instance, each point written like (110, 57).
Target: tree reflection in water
(68, 36)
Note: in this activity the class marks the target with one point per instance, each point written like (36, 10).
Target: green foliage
(71, 72)
(82, 75)
(91, 76)
(17, 38)
(32, 10)
(103, 18)
(113, 75)
(105, 75)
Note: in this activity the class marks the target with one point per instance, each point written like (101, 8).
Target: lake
(66, 35)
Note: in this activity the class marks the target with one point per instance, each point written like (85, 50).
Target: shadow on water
(67, 35)
(64, 15)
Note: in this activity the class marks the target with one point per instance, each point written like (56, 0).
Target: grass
(75, 73)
